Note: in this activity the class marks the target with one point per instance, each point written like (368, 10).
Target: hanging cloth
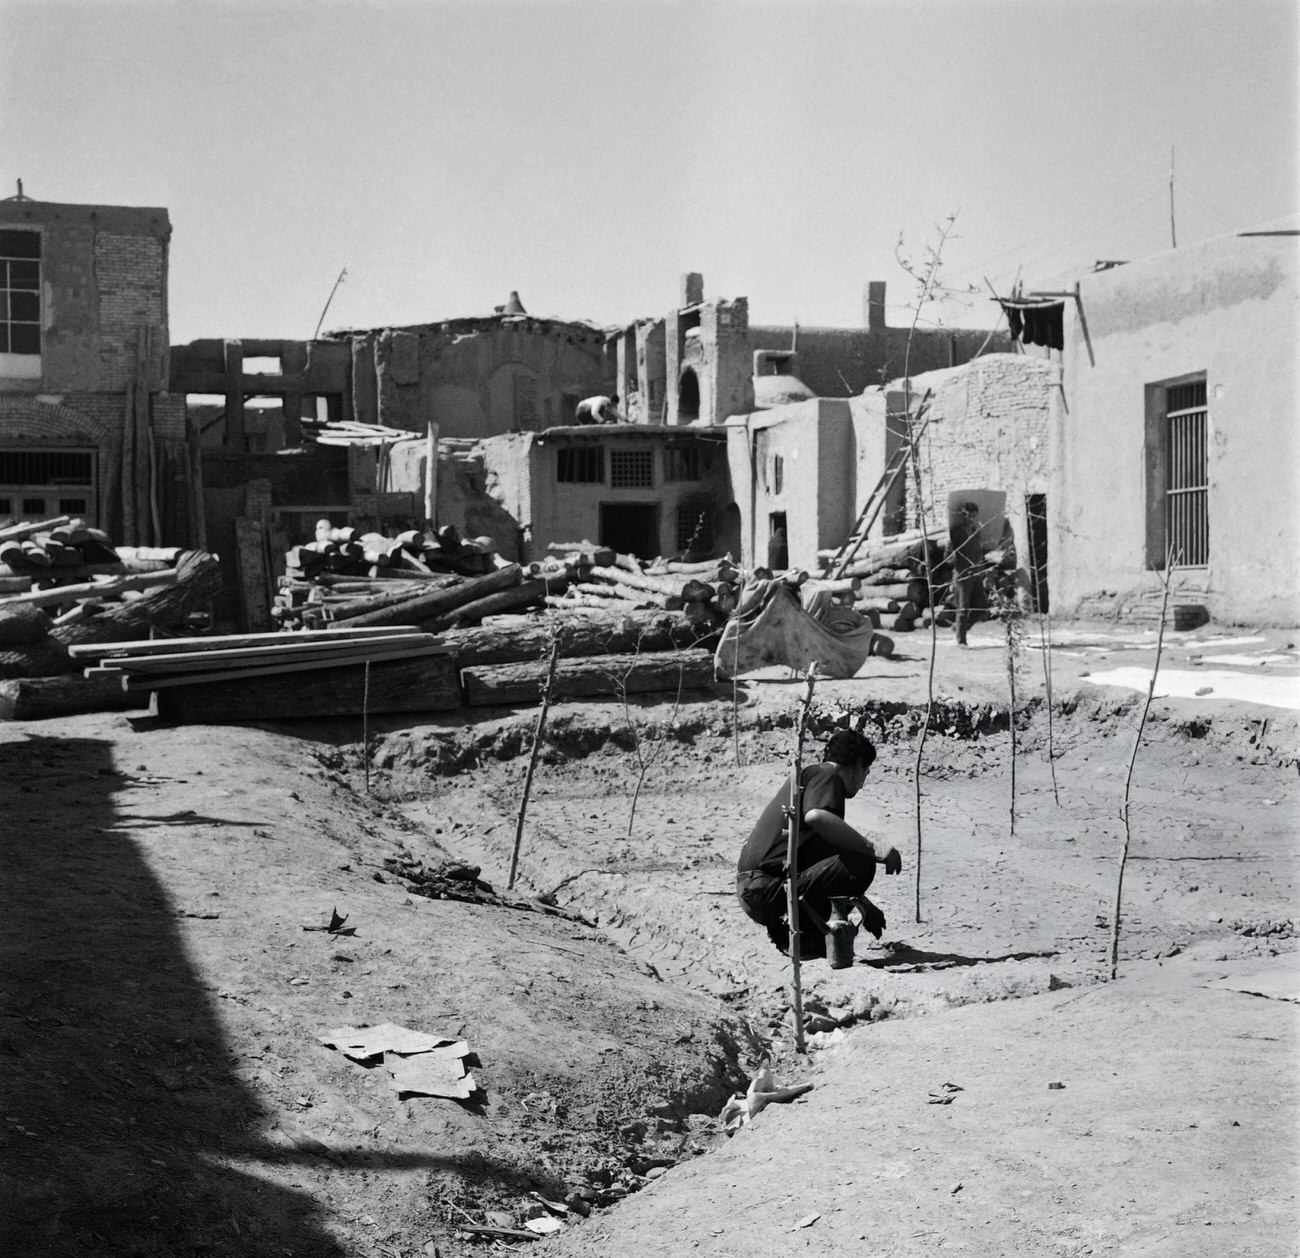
(1036, 322)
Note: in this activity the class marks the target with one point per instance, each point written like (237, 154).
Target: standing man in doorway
(833, 858)
(966, 556)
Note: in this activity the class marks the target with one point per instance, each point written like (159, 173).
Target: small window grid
(683, 463)
(20, 292)
(631, 469)
(580, 465)
(40, 484)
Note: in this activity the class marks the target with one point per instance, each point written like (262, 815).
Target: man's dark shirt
(766, 846)
(964, 546)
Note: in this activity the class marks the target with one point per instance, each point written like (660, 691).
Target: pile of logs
(891, 580)
(705, 592)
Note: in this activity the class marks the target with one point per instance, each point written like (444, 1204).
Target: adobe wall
(478, 379)
(1229, 308)
(812, 484)
(990, 429)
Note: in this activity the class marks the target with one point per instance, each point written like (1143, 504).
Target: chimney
(874, 306)
(513, 306)
(692, 288)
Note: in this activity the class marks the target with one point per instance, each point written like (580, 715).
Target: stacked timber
(35, 648)
(274, 676)
(704, 593)
(891, 574)
(343, 573)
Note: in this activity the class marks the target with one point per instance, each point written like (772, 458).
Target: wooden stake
(532, 760)
(793, 815)
(365, 722)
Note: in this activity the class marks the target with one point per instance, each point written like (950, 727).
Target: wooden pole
(793, 817)
(431, 474)
(532, 760)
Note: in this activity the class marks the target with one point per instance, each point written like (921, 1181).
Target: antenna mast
(328, 299)
(1173, 234)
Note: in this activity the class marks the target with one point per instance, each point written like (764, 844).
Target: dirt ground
(167, 1091)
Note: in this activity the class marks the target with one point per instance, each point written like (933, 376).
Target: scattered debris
(807, 1221)
(946, 1094)
(740, 1110)
(336, 926)
(420, 1064)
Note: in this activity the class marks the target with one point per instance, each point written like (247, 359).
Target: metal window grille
(580, 465)
(1187, 528)
(631, 469)
(20, 292)
(683, 463)
(695, 526)
(46, 483)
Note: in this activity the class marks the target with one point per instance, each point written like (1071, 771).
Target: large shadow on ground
(124, 1126)
(120, 1101)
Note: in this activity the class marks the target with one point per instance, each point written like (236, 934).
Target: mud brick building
(1178, 433)
(705, 361)
(87, 425)
(478, 376)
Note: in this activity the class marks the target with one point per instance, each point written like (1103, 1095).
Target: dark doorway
(688, 397)
(1036, 528)
(778, 542)
(630, 528)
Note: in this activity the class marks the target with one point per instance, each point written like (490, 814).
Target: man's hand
(893, 862)
(873, 920)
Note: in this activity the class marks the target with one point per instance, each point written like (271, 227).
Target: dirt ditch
(170, 1089)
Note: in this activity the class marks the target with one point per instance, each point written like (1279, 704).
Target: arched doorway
(688, 397)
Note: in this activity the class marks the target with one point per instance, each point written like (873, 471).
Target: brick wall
(130, 272)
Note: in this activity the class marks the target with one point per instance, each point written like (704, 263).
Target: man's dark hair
(848, 747)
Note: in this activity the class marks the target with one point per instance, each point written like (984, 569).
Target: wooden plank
(424, 684)
(136, 682)
(164, 646)
(254, 580)
(286, 653)
(16, 532)
(439, 602)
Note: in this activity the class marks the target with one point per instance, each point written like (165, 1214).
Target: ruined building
(705, 362)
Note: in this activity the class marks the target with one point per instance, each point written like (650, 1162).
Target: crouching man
(833, 859)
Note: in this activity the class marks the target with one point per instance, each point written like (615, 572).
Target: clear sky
(588, 152)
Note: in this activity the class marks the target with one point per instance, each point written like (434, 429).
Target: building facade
(88, 427)
(1177, 438)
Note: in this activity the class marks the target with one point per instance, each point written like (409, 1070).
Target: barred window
(40, 484)
(20, 292)
(580, 465)
(778, 474)
(631, 469)
(695, 525)
(683, 463)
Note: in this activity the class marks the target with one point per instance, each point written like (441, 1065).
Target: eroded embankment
(1015, 897)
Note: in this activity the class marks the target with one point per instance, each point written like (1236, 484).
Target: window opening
(264, 365)
(20, 292)
(1187, 496)
(695, 525)
(631, 469)
(683, 463)
(580, 465)
(778, 474)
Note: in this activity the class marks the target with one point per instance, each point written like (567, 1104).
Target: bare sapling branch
(927, 275)
(794, 812)
(1166, 581)
(548, 686)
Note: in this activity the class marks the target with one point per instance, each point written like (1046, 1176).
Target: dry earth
(166, 1091)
